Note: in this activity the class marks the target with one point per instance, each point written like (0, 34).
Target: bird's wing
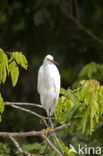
(58, 81)
(56, 78)
(39, 79)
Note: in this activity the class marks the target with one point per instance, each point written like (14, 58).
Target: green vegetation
(71, 31)
(82, 107)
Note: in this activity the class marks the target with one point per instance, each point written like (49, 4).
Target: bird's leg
(49, 123)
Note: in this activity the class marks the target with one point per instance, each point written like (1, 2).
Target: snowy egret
(48, 84)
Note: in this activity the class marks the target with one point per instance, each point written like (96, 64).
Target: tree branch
(16, 144)
(14, 104)
(23, 103)
(32, 133)
(51, 145)
(69, 14)
(42, 133)
(55, 137)
(29, 111)
(86, 30)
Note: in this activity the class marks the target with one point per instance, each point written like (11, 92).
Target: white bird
(48, 84)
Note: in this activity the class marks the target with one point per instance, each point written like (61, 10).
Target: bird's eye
(49, 59)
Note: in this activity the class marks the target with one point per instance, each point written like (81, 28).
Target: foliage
(1, 106)
(40, 27)
(82, 107)
(67, 151)
(38, 148)
(9, 65)
(4, 149)
(44, 149)
(92, 71)
(3, 66)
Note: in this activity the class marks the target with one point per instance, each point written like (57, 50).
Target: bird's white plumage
(48, 84)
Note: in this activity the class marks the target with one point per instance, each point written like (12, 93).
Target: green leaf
(3, 66)
(1, 106)
(12, 68)
(4, 149)
(68, 115)
(84, 120)
(14, 72)
(84, 92)
(20, 59)
(0, 74)
(12, 65)
(5, 60)
(73, 97)
(4, 74)
(89, 70)
(1, 51)
(14, 75)
(63, 91)
(34, 148)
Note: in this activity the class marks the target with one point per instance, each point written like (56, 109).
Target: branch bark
(52, 146)
(32, 133)
(13, 135)
(23, 103)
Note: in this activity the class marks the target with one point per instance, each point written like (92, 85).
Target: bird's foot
(42, 131)
(46, 131)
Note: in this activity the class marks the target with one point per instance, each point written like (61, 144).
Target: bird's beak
(54, 62)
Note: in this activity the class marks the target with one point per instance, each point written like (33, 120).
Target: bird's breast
(50, 78)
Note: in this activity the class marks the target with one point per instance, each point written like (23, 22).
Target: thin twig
(31, 112)
(86, 30)
(14, 104)
(51, 145)
(23, 103)
(56, 139)
(77, 89)
(69, 15)
(17, 145)
(20, 149)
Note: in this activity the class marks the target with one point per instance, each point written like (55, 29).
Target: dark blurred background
(70, 30)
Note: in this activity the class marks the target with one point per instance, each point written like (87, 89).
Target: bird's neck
(46, 65)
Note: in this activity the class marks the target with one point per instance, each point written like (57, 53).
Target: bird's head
(49, 60)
